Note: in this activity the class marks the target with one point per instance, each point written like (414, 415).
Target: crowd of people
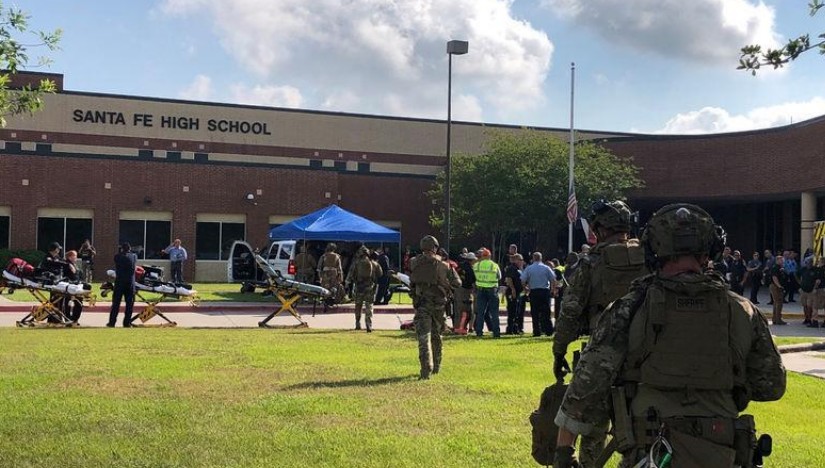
(783, 274)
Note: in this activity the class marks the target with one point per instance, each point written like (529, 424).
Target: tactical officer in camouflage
(431, 282)
(364, 274)
(603, 275)
(680, 357)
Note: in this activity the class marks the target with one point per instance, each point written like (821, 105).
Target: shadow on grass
(351, 383)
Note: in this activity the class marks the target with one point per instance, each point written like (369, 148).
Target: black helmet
(428, 243)
(682, 229)
(614, 215)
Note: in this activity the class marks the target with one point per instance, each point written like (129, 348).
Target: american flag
(572, 206)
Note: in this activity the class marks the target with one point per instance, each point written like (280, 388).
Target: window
(69, 232)
(286, 252)
(148, 238)
(213, 239)
(5, 222)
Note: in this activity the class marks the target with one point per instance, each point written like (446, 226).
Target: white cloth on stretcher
(62, 287)
(161, 288)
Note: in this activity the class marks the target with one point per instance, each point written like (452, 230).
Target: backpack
(544, 427)
(363, 271)
(611, 275)
(20, 268)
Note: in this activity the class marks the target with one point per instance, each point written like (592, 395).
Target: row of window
(147, 237)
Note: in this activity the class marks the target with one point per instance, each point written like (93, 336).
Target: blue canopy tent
(335, 224)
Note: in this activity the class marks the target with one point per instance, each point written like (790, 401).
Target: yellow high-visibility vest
(486, 274)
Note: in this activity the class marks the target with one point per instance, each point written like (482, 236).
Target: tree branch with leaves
(16, 40)
(754, 57)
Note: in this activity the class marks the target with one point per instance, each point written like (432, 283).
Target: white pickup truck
(241, 267)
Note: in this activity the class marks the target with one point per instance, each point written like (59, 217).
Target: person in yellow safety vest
(488, 275)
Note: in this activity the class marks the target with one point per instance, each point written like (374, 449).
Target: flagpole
(571, 186)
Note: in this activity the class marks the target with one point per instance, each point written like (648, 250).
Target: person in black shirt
(755, 275)
(463, 295)
(51, 270)
(737, 269)
(777, 286)
(124, 288)
(72, 306)
(515, 301)
(382, 296)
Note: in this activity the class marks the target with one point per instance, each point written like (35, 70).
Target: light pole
(453, 48)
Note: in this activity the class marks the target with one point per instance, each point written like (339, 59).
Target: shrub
(32, 256)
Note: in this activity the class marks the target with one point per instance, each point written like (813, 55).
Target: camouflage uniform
(603, 275)
(431, 281)
(634, 343)
(365, 284)
(331, 273)
(305, 267)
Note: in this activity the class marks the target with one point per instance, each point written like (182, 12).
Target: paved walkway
(247, 315)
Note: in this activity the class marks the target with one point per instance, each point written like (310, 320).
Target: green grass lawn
(178, 397)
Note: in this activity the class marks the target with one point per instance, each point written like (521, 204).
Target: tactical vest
(329, 260)
(680, 338)
(618, 265)
(485, 271)
(363, 270)
(424, 271)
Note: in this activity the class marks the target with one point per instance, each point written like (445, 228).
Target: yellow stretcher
(152, 309)
(49, 312)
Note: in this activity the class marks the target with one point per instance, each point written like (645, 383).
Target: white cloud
(273, 96)
(709, 31)
(384, 56)
(199, 90)
(717, 120)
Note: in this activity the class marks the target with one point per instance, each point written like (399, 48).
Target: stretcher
(51, 293)
(287, 291)
(162, 290)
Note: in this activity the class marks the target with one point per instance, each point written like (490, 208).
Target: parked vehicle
(242, 268)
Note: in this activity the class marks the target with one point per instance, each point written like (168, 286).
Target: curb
(802, 347)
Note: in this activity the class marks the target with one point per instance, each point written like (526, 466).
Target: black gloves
(560, 366)
(563, 458)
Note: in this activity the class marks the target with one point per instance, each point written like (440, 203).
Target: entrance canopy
(334, 224)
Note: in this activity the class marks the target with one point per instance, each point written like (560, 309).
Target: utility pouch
(695, 452)
(744, 440)
(622, 424)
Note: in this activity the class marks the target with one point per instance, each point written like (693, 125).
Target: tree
(14, 57)
(520, 183)
(753, 57)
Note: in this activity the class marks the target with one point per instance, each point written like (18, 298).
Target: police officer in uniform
(602, 275)
(683, 356)
(431, 282)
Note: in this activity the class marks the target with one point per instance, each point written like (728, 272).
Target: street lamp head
(458, 47)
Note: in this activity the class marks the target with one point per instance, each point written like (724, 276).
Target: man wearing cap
(463, 295)
(124, 288)
(54, 265)
(488, 275)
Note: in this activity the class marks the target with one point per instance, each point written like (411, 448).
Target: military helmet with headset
(682, 229)
(428, 243)
(614, 215)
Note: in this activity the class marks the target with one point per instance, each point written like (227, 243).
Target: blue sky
(652, 66)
